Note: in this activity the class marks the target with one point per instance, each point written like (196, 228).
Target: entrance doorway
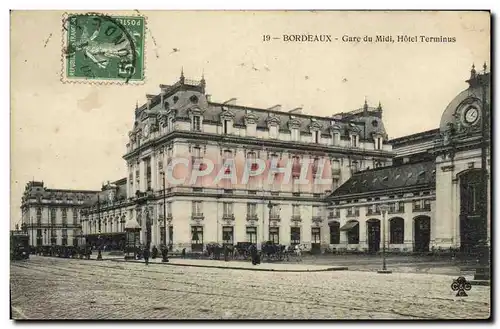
(422, 233)
(472, 224)
(373, 231)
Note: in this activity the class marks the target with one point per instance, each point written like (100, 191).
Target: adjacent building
(51, 216)
(434, 190)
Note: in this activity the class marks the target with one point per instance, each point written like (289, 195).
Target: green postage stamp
(103, 49)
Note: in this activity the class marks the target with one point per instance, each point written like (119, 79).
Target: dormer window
(295, 134)
(378, 143)
(273, 131)
(354, 140)
(196, 123)
(227, 126)
(316, 137)
(336, 138)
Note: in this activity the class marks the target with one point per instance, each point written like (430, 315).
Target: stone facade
(51, 216)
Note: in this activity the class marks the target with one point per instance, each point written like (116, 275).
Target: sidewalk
(238, 265)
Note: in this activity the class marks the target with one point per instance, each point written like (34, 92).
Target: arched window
(397, 230)
(334, 232)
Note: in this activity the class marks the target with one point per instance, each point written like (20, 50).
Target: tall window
(294, 235)
(228, 158)
(354, 140)
(163, 236)
(378, 143)
(169, 209)
(39, 237)
(295, 134)
(227, 209)
(75, 217)
(397, 227)
(39, 216)
(275, 211)
(197, 209)
(296, 167)
(251, 232)
(316, 235)
(64, 237)
(316, 211)
(274, 235)
(148, 173)
(197, 238)
(196, 123)
(251, 210)
(252, 162)
(64, 216)
(315, 166)
(53, 216)
(334, 233)
(227, 235)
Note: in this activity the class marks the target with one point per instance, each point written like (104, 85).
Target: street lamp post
(384, 208)
(270, 207)
(164, 208)
(99, 253)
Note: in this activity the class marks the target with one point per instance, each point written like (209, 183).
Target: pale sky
(73, 136)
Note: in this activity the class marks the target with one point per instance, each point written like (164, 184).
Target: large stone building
(183, 123)
(51, 216)
(185, 187)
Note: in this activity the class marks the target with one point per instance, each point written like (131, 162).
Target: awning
(349, 226)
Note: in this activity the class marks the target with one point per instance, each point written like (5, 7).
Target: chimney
(276, 107)
(296, 110)
(231, 101)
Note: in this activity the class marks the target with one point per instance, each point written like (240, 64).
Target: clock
(471, 115)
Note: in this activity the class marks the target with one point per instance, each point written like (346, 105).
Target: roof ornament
(379, 107)
(485, 67)
(365, 107)
(181, 79)
(473, 71)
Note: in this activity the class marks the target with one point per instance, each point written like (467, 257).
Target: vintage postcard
(250, 165)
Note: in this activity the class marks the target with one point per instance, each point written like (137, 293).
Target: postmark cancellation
(103, 49)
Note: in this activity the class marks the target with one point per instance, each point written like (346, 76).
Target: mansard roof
(37, 190)
(120, 192)
(183, 98)
(381, 180)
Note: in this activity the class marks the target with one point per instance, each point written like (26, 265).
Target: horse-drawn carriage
(19, 246)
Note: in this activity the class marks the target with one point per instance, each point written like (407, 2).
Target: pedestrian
(183, 254)
(146, 255)
(226, 253)
(154, 253)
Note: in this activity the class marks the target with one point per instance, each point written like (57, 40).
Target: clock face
(471, 115)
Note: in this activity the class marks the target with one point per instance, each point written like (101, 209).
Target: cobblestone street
(53, 288)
